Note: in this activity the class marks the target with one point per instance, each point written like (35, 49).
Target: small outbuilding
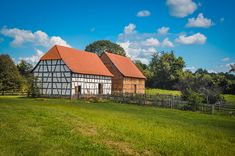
(69, 72)
(127, 78)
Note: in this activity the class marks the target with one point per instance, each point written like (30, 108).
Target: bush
(194, 99)
(33, 90)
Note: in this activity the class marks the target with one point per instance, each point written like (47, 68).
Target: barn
(68, 72)
(127, 78)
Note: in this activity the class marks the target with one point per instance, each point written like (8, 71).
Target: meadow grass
(75, 127)
(229, 98)
(153, 91)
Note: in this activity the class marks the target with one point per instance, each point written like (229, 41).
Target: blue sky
(201, 31)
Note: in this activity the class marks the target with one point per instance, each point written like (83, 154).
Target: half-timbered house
(127, 78)
(67, 72)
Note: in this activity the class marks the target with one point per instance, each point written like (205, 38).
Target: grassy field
(162, 91)
(65, 127)
(230, 99)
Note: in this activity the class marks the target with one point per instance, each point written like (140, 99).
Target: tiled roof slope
(125, 65)
(78, 61)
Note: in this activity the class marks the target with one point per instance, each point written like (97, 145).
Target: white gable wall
(53, 78)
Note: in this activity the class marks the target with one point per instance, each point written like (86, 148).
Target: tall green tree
(101, 46)
(144, 68)
(198, 88)
(167, 70)
(24, 68)
(10, 78)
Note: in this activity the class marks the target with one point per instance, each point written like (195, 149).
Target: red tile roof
(125, 66)
(78, 61)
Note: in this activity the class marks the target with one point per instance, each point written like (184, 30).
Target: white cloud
(197, 38)
(141, 46)
(143, 13)
(226, 59)
(163, 30)
(152, 42)
(229, 64)
(34, 58)
(167, 43)
(211, 71)
(181, 8)
(58, 41)
(136, 52)
(192, 69)
(200, 21)
(129, 29)
(39, 37)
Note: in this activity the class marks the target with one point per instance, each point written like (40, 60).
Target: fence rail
(168, 101)
(159, 100)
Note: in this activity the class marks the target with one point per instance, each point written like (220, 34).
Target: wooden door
(78, 90)
(100, 88)
(135, 89)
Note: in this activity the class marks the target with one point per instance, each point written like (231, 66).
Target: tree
(232, 68)
(144, 68)
(201, 71)
(167, 70)
(101, 46)
(198, 88)
(24, 68)
(33, 90)
(10, 79)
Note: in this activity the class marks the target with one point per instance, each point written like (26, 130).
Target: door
(135, 88)
(100, 88)
(78, 90)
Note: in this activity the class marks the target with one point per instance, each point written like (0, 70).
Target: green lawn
(230, 99)
(162, 91)
(65, 127)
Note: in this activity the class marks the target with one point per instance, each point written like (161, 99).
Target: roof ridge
(75, 49)
(121, 63)
(56, 46)
(78, 61)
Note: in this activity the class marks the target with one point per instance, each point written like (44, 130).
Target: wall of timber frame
(121, 83)
(55, 79)
(129, 84)
(117, 79)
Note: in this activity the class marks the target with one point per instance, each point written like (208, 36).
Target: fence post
(212, 109)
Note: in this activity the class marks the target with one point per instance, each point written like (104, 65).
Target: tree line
(165, 71)
(16, 78)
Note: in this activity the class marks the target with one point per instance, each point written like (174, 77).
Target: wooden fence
(168, 101)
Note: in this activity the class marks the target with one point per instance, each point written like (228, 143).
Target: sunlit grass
(230, 99)
(162, 91)
(65, 127)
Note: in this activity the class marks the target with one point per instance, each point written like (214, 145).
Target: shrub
(33, 90)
